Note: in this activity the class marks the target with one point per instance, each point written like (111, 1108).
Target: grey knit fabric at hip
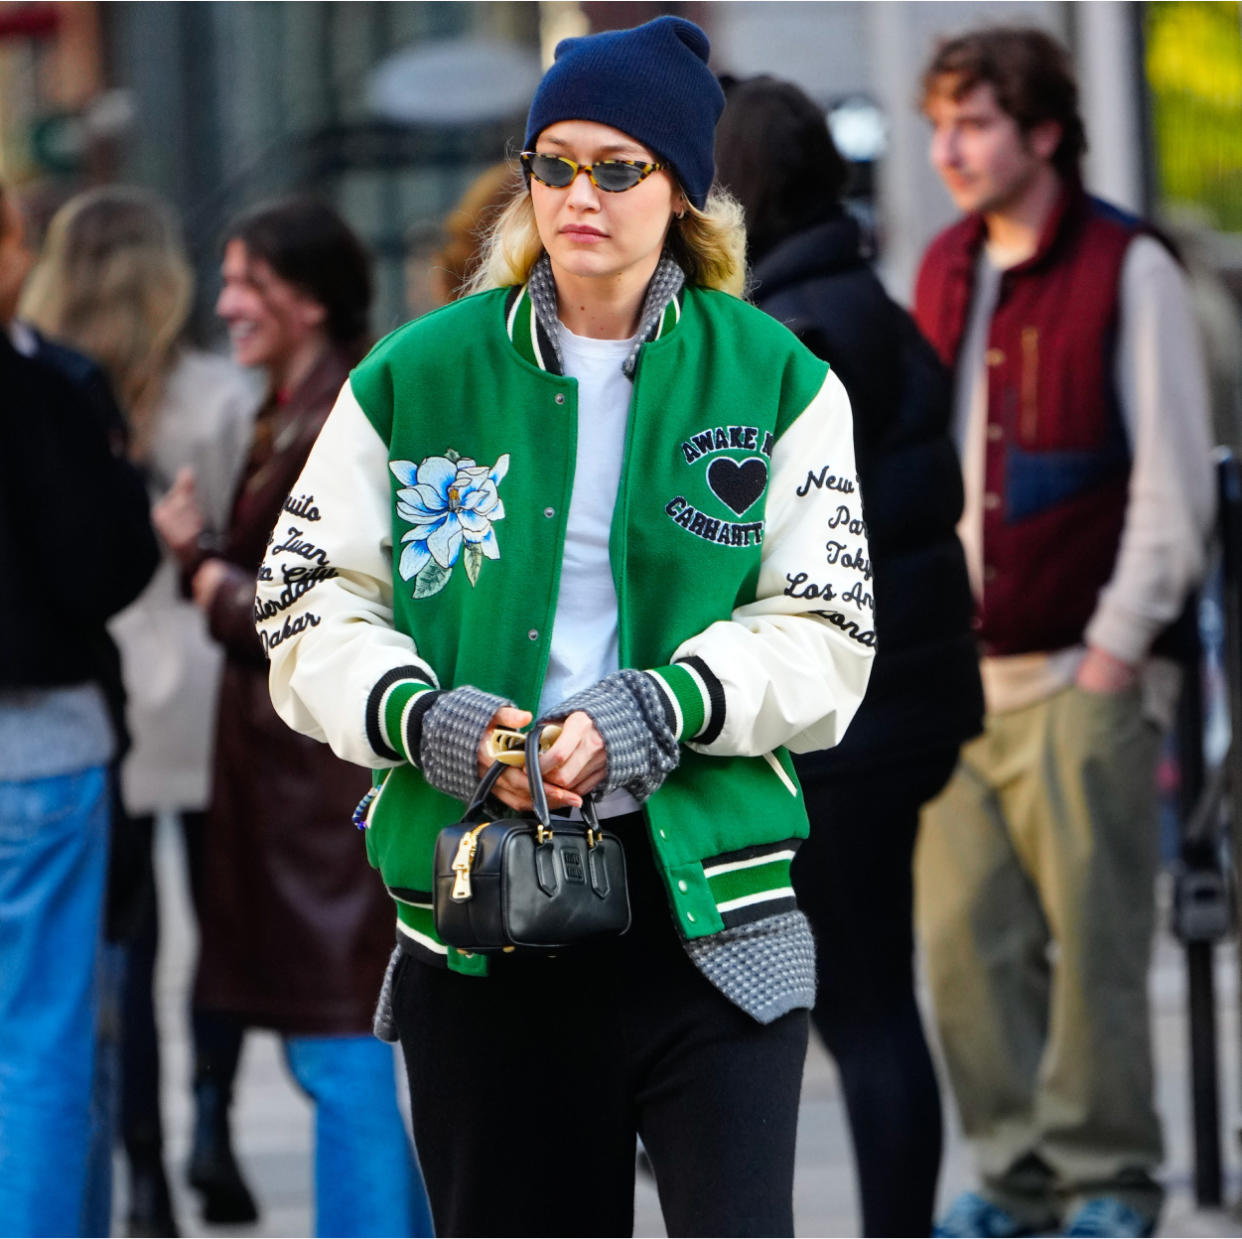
(766, 968)
(384, 1022)
(665, 284)
(452, 729)
(628, 713)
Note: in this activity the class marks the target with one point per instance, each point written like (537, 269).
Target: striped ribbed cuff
(395, 709)
(693, 697)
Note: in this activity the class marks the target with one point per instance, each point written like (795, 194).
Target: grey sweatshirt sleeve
(1163, 386)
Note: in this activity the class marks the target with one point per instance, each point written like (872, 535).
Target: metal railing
(1207, 872)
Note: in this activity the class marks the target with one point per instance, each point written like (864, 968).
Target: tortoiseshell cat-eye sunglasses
(613, 176)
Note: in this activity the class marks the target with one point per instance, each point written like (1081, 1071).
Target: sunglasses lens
(551, 170)
(614, 176)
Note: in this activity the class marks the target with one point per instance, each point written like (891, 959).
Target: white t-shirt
(584, 633)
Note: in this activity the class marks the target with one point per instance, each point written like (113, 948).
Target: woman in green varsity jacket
(603, 491)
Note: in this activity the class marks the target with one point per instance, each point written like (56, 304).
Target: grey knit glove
(448, 750)
(628, 712)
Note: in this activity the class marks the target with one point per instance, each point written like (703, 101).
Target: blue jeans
(367, 1180)
(53, 862)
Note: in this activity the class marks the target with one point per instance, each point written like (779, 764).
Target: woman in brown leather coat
(295, 931)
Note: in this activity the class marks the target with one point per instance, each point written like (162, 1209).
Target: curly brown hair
(1030, 73)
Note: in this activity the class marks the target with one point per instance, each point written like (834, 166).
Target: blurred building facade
(389, 110)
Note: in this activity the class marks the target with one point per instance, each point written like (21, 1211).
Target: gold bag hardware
(509, 747)
(462, 861)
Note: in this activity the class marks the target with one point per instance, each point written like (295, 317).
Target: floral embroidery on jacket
(452, 503)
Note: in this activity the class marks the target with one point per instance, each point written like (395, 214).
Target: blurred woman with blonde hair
(114, 281)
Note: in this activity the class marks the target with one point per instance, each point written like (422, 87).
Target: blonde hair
(709, 245)
(467, 226)
(115, 282)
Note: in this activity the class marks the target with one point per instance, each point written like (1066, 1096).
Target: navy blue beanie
(651, 82)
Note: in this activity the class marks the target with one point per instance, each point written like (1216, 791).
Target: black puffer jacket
(925, 693)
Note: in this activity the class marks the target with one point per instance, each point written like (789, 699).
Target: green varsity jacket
(422, 548)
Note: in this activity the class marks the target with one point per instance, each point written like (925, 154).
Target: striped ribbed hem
(416, 935)
(694, 699)
(753, 883)
(416, 929)
(388, 705)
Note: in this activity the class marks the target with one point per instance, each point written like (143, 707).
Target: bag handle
(478, 802)
(477, 808)
(590, 819)
(534, 776)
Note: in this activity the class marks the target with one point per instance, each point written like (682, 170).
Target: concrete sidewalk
(273, 1120)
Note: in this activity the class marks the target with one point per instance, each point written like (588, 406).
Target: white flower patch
(452, 503)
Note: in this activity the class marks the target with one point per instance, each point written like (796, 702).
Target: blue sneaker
(977, 1216)
(1108, 1216)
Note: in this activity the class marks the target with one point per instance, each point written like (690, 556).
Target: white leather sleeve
(324, 601)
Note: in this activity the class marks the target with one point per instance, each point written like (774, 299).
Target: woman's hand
(578, 760)
(177, 517)
(207, 580)
(512, 788)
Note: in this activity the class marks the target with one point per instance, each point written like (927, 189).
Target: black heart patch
(736, 485)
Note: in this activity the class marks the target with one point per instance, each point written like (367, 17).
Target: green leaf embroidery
(474, 561)
(431, 580)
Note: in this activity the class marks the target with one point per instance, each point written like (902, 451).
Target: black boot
(149, 1204)
(213, 1170)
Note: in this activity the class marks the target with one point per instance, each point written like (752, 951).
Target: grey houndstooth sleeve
(452, 729)
(630, 715)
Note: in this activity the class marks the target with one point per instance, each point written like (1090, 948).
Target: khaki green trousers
(1035, 874)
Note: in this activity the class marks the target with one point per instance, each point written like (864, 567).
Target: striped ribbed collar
(533, 326)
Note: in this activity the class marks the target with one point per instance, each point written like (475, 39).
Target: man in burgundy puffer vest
(1081, 419)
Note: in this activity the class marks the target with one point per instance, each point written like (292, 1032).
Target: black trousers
(854, 881)
(528, 1086)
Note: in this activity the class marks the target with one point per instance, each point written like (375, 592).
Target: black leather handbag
(527, 884)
